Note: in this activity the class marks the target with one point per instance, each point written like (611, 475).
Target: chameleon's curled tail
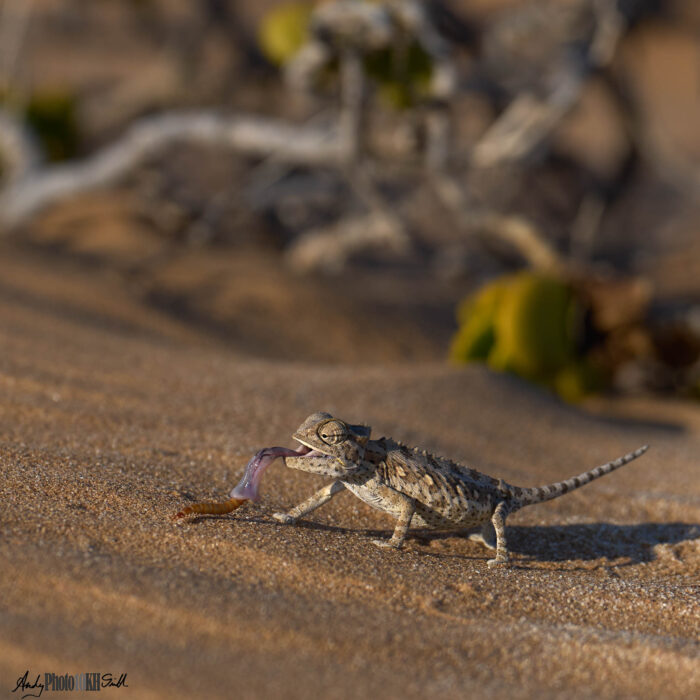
(529, 496)
(211, 508)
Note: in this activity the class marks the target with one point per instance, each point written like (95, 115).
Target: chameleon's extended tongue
(247, 487)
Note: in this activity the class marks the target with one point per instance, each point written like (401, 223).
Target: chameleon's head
(330, 446)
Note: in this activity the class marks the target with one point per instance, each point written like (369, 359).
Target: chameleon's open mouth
(248, 488)
(307, 451)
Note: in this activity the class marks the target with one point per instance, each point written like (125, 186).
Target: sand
(114, 416)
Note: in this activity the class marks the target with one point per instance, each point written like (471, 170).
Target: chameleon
(419, 489)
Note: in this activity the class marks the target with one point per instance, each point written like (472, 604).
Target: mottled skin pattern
(418, 489)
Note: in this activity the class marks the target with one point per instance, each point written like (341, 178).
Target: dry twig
(39, 187)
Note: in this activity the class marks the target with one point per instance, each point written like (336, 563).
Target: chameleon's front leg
(408, 508)
(499, 524)
(321, 497)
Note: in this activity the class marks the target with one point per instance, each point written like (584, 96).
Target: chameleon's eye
(332, 432)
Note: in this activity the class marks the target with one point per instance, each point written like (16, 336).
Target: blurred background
(509, 182)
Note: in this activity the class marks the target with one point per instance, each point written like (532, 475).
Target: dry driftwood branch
(524, 236)
(514, 230)
(610, 26)
(529, 120)
(353, 28)
(329, 248)
(347, 30)
(361, 26)
(256, 136)
(524, 126)
(382, 229)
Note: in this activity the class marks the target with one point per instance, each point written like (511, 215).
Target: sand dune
(113, 416)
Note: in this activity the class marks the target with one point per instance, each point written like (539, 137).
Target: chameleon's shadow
(546, 543)
(557, 543)
(265, 520)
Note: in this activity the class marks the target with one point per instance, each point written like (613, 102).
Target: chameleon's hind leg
(486, 536)
(408, 508)
(498, 519)
(321, 497)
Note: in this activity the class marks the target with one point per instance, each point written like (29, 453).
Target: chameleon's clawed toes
(386, 544)
(500, 560)
(284, 518)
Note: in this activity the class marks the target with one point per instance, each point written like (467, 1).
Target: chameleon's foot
(285, 518)
(387, 544)
(500, 560)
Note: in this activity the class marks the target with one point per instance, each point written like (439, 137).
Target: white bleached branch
(39, 187)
